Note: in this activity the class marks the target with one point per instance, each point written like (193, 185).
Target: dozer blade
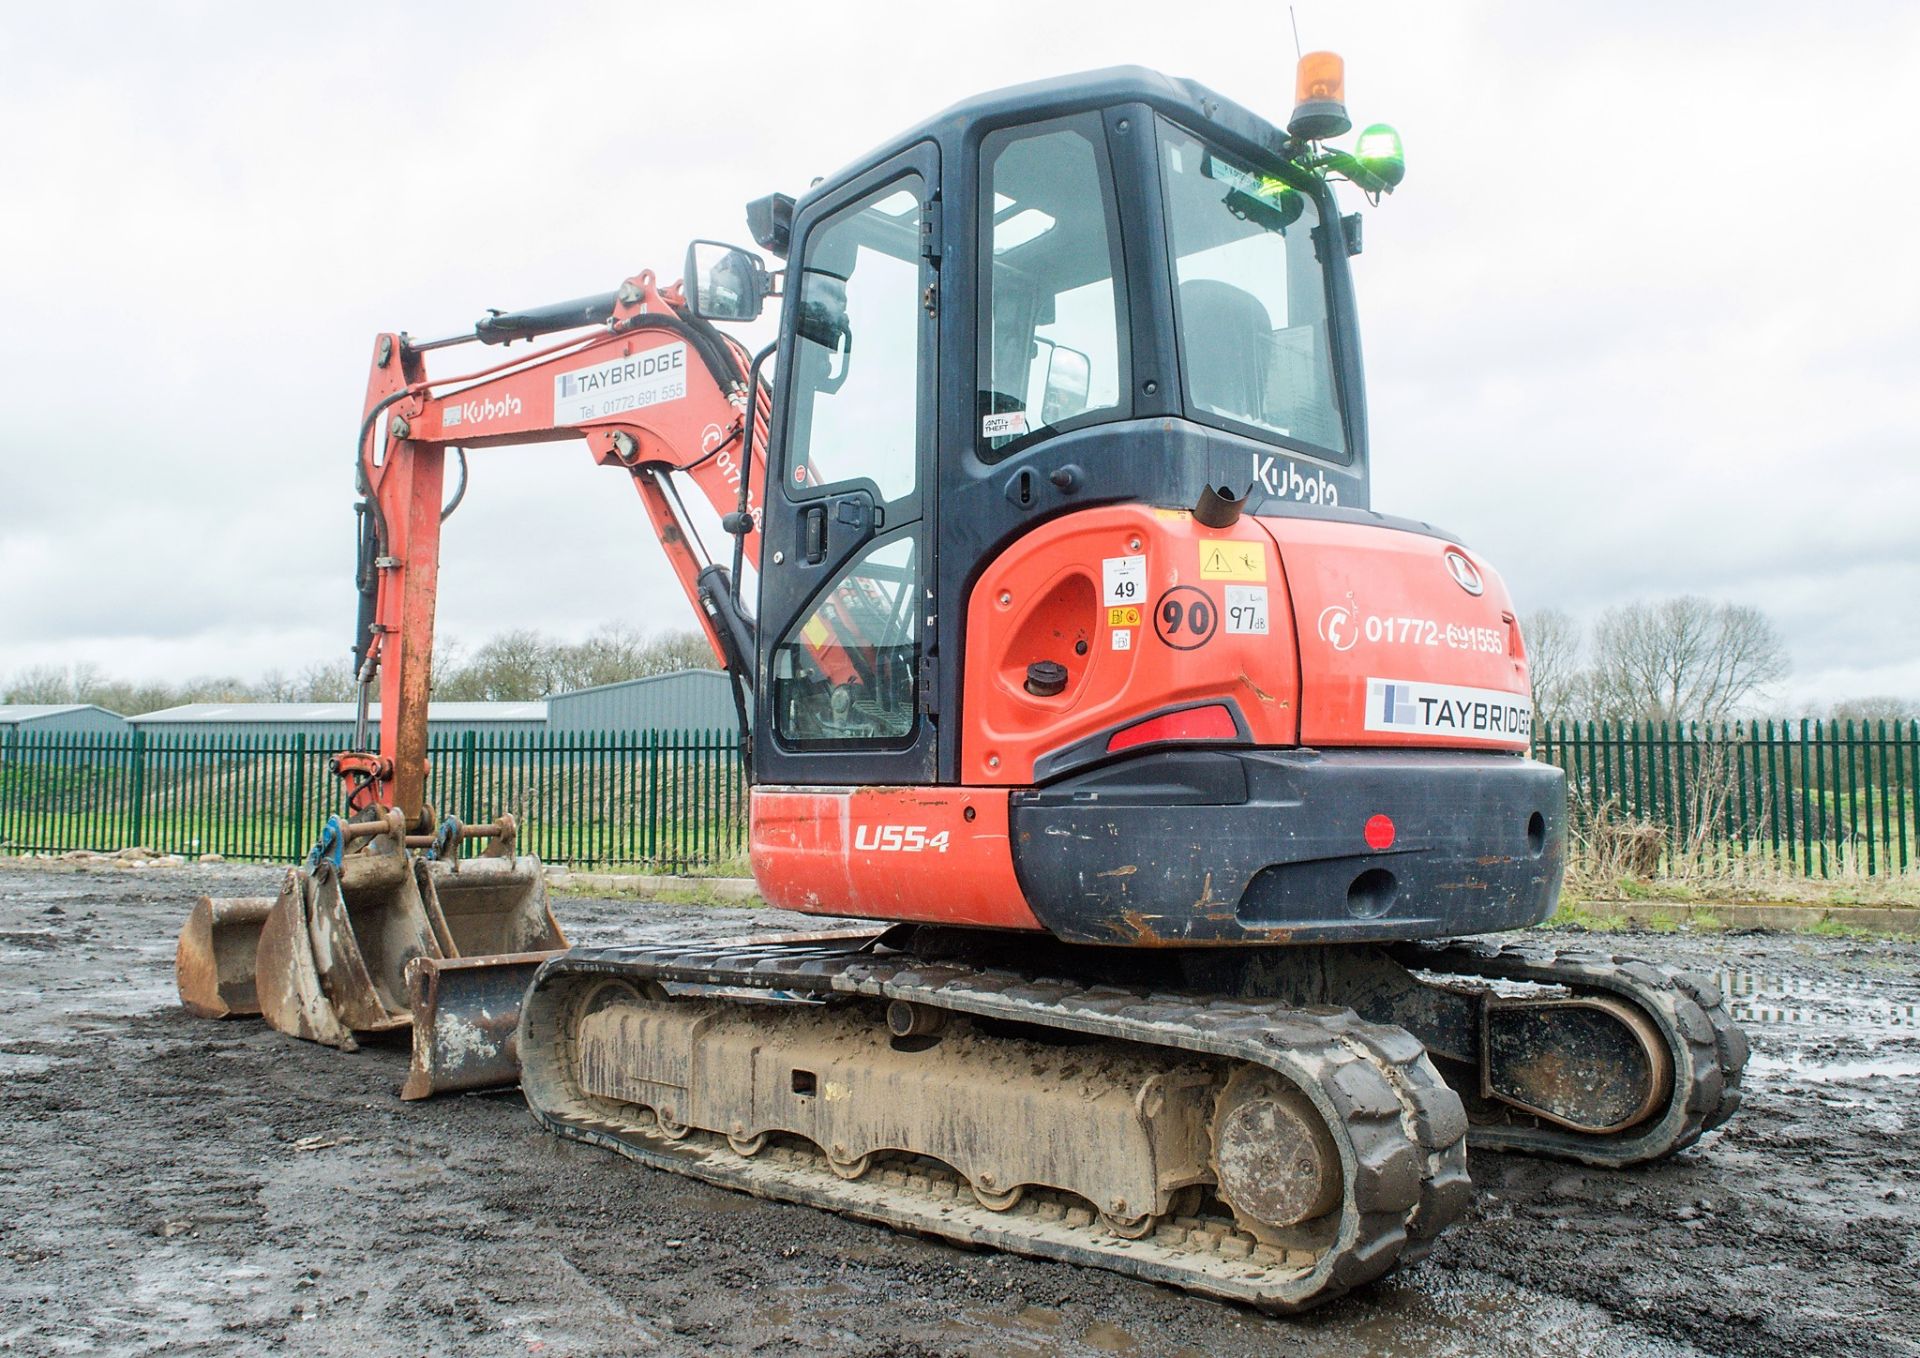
(488, 907)
(466, 1017)
(213, 964)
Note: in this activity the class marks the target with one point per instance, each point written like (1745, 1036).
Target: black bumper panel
(1272, 846)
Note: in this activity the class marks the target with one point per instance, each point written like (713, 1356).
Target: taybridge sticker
(631, 382)
(1232, 561)
(1124, 579)
(1408, 706)
(1247, 610)
(1185, 618)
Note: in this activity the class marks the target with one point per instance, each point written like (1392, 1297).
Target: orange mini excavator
(1079, 665)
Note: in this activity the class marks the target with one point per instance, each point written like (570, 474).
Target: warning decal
(1123, 617)
(1233, 561)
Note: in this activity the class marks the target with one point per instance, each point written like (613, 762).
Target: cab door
(846, 564)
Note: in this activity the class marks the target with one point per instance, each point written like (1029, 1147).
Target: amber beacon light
(1319, 98)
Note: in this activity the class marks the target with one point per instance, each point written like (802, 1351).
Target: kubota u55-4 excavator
(1082, 667)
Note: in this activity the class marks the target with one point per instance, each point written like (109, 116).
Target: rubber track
(1709, 1049)
(1406, 1176)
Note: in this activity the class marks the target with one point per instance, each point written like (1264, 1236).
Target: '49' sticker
(1185, 618)
(1123, 579)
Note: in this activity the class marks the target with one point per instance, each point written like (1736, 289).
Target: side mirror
(1069, 383)
(724, 282)
(822, 318)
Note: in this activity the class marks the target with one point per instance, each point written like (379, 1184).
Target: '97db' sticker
(1246, 609)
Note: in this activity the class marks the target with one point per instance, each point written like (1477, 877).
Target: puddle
(1814, 1068)
(1810, 1002)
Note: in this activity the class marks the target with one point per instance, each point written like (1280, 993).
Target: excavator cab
(1067, 533)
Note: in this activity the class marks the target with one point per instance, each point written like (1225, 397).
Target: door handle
(814, 533)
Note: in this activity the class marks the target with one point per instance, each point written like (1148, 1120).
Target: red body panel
(1059, 588)
(937, 855)
(1375, 606)
(1351, 609)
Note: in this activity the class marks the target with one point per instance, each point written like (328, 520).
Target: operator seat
(1225, 331)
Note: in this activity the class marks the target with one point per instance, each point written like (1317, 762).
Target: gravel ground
(171, 1185)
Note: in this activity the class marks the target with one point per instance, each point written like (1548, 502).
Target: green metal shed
(330, 725)
(65, 718)
(686, 700)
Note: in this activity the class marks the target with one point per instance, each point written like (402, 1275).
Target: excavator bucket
(213, 963)
(466, 1019)
(494, 925)
(487, 906)
(378, 939)
(334, 951)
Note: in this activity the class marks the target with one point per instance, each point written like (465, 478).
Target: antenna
(1294, 19)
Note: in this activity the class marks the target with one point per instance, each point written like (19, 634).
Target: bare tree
(1555, 650)
(39, 684)
(1683, 659)
(322, 682)
(511, 666)
(1879, 707)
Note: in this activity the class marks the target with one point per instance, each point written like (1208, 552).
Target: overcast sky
(1643, 320)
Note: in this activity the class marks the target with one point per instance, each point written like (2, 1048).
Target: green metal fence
(671, 801)
(1816, 798)
(1821, 799)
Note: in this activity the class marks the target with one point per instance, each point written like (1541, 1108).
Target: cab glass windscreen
(1250, 298)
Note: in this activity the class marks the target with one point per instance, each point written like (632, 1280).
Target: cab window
(1052, 339)
(856, 350)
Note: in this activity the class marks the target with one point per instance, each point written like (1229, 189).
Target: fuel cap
(1046, 678)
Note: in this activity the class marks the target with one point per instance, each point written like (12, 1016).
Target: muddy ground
(170, 1185)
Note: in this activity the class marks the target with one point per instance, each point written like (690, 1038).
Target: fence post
(139, 755)
(468, 743)
(299, 789)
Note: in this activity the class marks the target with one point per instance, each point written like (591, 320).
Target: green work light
(1378, 150)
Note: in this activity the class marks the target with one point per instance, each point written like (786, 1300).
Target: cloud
(1643, 319)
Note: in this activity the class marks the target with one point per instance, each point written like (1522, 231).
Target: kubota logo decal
(479, 412)
(1286, 481)
(1465, 574)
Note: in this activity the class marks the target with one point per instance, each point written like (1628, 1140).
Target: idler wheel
(746, 1147)
(1273, 1157)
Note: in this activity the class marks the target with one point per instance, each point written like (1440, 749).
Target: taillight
(1211, 722)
